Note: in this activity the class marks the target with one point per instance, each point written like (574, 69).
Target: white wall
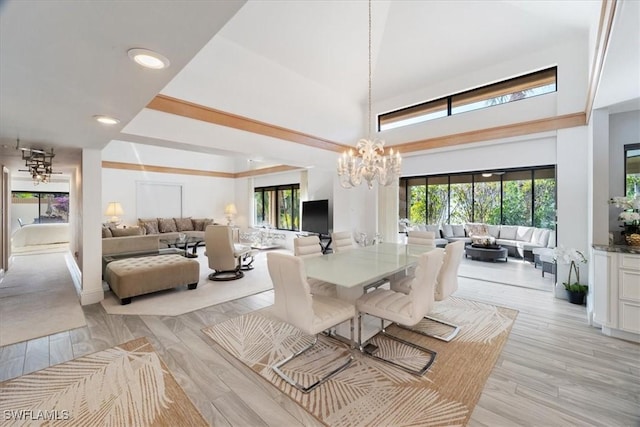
(530, 151)
(572, 178)
(570, 57)
(202, 196)
(624, 128)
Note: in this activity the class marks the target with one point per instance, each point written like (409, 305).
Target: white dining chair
(446, 284)
(312, 314)
(341, 241)
(424, 238)
(306, 247)
(404, 309)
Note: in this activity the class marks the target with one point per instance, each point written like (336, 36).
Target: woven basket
(633, 240)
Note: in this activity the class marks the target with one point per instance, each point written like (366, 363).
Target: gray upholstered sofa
(163, 228)
(519, 240)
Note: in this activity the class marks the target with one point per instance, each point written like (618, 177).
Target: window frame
(413, 113)
(531, 171)
(277, 193)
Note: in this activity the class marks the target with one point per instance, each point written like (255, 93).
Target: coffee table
(184, 244)
(486, 253)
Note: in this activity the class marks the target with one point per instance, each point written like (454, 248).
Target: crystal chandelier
(370, 161)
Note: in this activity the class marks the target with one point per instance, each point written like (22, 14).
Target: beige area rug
(180, 300)
(38, 298)
(127, 385)
(370, 392)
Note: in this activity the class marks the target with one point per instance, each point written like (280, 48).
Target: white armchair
(311, 314)
(225, 258)
(403, 309)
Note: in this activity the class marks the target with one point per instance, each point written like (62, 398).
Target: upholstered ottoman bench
(131, 277)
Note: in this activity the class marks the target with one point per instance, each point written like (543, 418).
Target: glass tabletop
(187, 240)
(363, 265)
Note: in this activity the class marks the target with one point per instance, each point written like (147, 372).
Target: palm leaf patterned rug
(127, 385)
(370, 392)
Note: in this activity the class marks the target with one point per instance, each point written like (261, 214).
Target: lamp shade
(114, 209)
(230, 209)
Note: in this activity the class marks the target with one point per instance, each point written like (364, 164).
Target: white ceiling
(297, 64)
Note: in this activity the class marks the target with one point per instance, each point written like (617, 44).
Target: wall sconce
(230, 211)
(114, 210)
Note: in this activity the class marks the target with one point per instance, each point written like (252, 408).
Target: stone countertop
(617, 248)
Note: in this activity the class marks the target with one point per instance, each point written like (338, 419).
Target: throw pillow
(493, 230)
(524, 234)
(508, 232)
(447, 230)
(435, 229)
(184, 224)
(458, 230)
(122, 232)
(150, 225)
(167, 225)
(106, 232)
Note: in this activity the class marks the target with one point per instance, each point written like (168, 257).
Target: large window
(278, 206)
(514, 89)
(39, 207)
(524, 196)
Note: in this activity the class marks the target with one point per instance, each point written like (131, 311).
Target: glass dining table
(353, 270)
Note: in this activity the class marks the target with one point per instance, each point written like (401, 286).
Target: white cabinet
(616, 293)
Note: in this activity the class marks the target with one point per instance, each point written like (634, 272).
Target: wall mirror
(631, 169)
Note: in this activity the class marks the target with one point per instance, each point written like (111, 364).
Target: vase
(576, 297)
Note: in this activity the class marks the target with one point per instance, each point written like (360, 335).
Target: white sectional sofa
(519, 240)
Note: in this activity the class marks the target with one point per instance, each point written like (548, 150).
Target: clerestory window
(514, 89)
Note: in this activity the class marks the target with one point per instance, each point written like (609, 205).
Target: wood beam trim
(264, 171)
(194, 111)
(607, 13)
(165, 169)
(499, 132)
(183, 171)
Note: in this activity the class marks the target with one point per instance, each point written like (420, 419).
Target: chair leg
(370, 350)
(446, 338)
(299, 386)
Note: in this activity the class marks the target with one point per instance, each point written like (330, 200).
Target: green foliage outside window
(506, 199)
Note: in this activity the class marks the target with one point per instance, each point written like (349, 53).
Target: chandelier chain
(370, 162)
(370, 78)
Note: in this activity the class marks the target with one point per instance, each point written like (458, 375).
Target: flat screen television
(315, 216)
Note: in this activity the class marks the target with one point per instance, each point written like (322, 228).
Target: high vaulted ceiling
(300, 65)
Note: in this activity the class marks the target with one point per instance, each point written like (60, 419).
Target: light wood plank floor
(554, 370)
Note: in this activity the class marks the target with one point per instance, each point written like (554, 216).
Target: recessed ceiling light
(106, 120)
(148, 58)
(487, 175)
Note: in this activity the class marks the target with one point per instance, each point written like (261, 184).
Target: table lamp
(114, 210)
(229, 211)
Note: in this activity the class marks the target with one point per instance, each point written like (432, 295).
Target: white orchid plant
(572, 257)
(630, 216)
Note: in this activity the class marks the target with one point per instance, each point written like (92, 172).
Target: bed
(40, 234)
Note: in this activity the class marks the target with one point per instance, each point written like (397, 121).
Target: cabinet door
(630, 317)
(602, 266)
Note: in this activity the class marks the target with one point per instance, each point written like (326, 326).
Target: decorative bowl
(633, 239)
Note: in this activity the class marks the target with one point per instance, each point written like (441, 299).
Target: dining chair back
(447, 282)
(425, 238)
(341, 241)
(307, 246)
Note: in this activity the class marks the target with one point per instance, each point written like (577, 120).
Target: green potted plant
(575, 290)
